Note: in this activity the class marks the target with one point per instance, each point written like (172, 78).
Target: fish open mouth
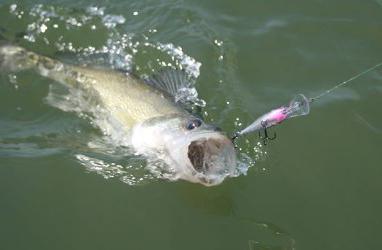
(211, 156)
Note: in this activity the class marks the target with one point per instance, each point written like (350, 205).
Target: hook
(233, 138)
(266, 137)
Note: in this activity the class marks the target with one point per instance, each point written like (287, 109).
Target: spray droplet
(43, 28)
(218, 43)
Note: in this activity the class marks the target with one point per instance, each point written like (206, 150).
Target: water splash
(118, 51)
(55, 28)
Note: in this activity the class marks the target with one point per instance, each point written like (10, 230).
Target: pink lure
(297, 107)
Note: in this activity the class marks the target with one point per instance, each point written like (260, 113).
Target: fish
(156, 123)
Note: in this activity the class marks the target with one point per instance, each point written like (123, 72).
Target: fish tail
(15, 58)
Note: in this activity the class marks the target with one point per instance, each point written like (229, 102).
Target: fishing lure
(298, 106)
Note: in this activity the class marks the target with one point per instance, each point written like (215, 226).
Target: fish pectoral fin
(170, 81)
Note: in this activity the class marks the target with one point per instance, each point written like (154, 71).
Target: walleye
(155, 123)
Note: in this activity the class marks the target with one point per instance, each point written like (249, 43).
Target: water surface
(64, 184)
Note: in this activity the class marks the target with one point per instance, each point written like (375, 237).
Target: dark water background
(317, 187)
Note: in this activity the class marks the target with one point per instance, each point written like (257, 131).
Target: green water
(316, 187)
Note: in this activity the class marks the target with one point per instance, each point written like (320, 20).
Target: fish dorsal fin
(178, 85)
(171, 81)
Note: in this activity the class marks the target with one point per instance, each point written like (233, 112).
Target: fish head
(195, 151)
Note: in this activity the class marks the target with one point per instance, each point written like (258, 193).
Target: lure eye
(194, 124)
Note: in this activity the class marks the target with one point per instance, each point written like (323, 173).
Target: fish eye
(194, 124)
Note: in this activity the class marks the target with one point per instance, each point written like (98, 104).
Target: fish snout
(212, 157)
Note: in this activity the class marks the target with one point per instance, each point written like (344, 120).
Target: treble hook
(233, 138)
(266, 137)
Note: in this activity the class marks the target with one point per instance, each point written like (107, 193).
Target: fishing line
(298, 106)
(344, 82)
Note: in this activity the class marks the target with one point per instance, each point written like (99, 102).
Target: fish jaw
(202, 156)
(213, 158)
(206, 158)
